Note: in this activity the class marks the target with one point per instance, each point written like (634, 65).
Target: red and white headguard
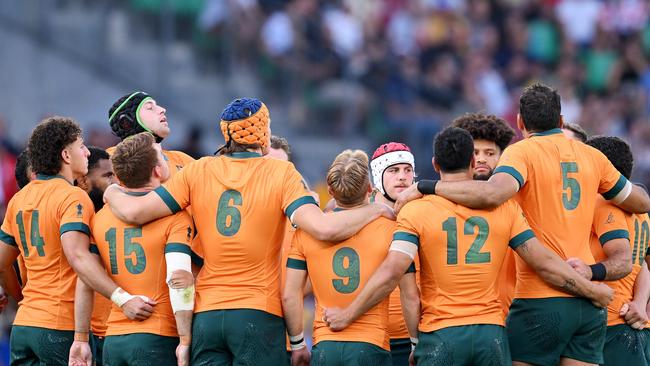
(385, 156)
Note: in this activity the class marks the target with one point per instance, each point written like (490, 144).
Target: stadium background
(335, 74)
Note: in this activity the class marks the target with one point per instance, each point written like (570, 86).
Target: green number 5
(351, 271)
(226, 210)
(570, 202)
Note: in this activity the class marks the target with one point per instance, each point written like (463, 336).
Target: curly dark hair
(22, 169)
(47, 141)
(617, 151)
(486, 127)
(540, 109)
(453, 149)
(96, 154)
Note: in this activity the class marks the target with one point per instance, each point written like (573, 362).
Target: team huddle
(528, 254)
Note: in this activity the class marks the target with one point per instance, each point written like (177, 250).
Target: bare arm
(380, 285)
(292, 300)
(480, 194)
(8, 278)
(135, 210)
(619, 259)
(556, 272)
(637, 202)
(410, 299)
(634, 312)
(642, 286)
(337, 226)
(80, 353)
(87, 265)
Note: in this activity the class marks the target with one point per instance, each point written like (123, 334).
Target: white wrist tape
(414, 342)
(182, 298)
(120, 297)
(297, 342)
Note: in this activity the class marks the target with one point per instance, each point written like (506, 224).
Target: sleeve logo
(80, 210)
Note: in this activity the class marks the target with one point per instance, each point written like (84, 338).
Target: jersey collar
(48, 177)
(244, 155)
(553, 131)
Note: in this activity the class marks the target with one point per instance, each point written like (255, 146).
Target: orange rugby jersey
(559, 182)
(610, 222)
(338, 274)
(36, 218)
(507, 281)
(461, 251)
(101, 310)
(134, 257)
(176, 160)
(239, 203)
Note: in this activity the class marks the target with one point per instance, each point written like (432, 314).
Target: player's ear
(436, 167)
(472, 163)
(329, 191)
(65, 155)
(561, 121)
(520, 122)
(369, 188)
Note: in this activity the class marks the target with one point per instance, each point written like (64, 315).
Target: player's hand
(385, 210)
(603, 295)
(336, 319)
(138, 308)
(581, 267)
(183, 355)
(110, 191)
(635, 315)
(300, 357)
(181, 279)
(80, 354)
(409, 194)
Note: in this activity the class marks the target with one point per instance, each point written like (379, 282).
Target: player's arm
(380, 285)
(292, 307)
(556, 272)
(8, 279)
(634, 312)
(619, 260)
(633, 198)
(337, 226)
(89, 268)
(80, 353)
(135, 210)
(181, 294)
(410, 299)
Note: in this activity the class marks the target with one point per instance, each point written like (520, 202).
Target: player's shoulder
(104, 218)
(382, 224)
(179, 156)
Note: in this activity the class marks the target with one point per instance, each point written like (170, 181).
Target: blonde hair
(348, 177)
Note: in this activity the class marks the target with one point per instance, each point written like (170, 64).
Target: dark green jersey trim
(411, 268)
(48, 177)
(196, 259)
(74, 226)
(93, 248)
(136, 194)
(521, 238)
(296, 264)
(297, 203)
(553, 131)
(168, 199)
(513, 172)
(178, 248)
(618, 187)
(614, 234)
(411, 238)
(8, 239)
(244, 155)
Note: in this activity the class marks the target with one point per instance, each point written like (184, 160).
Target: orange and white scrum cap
(388, 155)
(246, 121)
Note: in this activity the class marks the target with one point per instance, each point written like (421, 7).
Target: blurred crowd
(401, 69)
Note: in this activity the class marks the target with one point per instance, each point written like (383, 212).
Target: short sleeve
(176, 191)
(609, 222)
(197, 250)
(294, 193)
(75, 212)
(611, 181)
(407, 228)
(180, 232)
(520, 231)
(514, 162)
(296, 259)
(6, 230)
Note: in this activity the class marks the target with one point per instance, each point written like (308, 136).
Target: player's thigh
(400, 350)
(624, 346)
(140, 349)
(539, 329)
(489, 344)
(588, 340)
(41, 345)
(363, 353)
(442, 347)
(97, 347)
(208, 341)
(326, 353)
(255, 337)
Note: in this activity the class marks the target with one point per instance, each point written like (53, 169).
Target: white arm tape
(177, 261)
(405, 247)
(623, 194)
(182, 298)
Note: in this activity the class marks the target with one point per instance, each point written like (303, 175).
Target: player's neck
(454, 177)
(66, 173)
(350, 207)
(146, 188)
